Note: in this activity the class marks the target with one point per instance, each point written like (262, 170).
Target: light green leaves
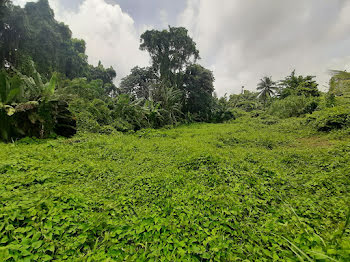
(49, 88)
(176, 195)
(37, 244)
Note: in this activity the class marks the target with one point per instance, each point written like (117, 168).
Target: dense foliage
(271, 184)
(28, 107)
(340, 83)
(172, 90)
(219, 192)
(32, 33)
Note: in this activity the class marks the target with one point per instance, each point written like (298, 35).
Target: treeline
(173, 89)
(36, 49)
(297, 96)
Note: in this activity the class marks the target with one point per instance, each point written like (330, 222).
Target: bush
(269, 120)
(107, 130)
(87, 123)
(330, 118)
(293, 106)
(122, 125)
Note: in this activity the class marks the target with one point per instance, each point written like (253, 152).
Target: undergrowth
(249, 190)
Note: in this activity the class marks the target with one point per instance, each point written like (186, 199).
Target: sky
(240, 41)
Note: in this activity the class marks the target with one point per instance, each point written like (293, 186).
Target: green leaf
(51, 248)
(4, 240)
(49, 88)
(331, 251)
(47, 258)
(12, 94)
(25, 252)
(37, 244)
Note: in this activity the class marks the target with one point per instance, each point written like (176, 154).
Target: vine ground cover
(242, 191)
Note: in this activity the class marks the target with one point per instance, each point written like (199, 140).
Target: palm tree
(267, 88)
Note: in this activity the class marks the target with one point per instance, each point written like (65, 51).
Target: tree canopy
(171, 51)
(32, 34)
(198, 90)
(298, 85)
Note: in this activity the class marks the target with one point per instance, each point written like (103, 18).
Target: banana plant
(9, 90)
(12, 90)
(42, 92)
(48, 89)
(153, 113)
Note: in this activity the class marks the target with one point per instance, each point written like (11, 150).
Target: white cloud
(110, 34)
(241, 41)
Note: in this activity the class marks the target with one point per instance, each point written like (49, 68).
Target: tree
(106, 75)
(139, 83)
(171, 52)
(267, 88)
(4, 6)
(298, 85)
(32, 34)
(13, 31)
(198, 91)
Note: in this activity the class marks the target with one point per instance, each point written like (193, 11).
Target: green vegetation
(220, 192)
(159, 168)
(340, 83)
(172, 90)
(29, 108)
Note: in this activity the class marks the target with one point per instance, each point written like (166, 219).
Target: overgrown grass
(250, 190)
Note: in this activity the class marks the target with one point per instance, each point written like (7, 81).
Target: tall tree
(13, 31)
(198, 91)
(171, 52)
(50, 43)
(267, 88)
(32, 34)
(3, 9)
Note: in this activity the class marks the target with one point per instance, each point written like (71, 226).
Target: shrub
(293, 106)
(107, 130)
(122, 125)
(87, 123)
(331, 118)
